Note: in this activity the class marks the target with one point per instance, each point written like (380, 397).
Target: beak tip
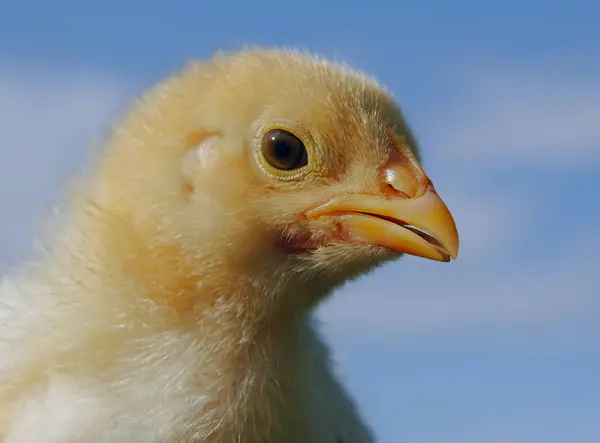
(452, 249)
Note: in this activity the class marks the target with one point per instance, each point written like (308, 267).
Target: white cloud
(526, 429)
(49, 120)
(503, 436)
(502, 129)
(487, 221)
(418, 299)
(541, 118)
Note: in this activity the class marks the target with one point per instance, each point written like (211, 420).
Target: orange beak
(408, 216)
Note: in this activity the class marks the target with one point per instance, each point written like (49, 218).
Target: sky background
(501, 346)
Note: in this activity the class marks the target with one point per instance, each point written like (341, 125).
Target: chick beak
(408, 216)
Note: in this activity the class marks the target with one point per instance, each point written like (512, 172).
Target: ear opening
(199, 155)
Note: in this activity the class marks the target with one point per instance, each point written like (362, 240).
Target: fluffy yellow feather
(175, 302)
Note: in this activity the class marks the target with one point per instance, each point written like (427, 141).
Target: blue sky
(501, 346)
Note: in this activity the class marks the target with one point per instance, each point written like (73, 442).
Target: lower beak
(421, 226)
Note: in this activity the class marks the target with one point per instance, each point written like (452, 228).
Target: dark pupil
(282, 149)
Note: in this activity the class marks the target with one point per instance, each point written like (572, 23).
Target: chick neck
(186, 288)
(245, 339)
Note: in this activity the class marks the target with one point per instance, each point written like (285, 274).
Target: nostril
(398, 181)
(389, 191)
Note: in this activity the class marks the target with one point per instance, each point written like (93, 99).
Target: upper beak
(408, 216)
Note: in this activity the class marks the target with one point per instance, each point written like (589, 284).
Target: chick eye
(283, 150)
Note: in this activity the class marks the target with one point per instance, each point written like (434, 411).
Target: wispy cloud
(408, 300)
(523, 433)
(49, 119)
(523, 117)
(494, 146)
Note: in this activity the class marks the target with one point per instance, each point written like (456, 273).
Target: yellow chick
(175, 304)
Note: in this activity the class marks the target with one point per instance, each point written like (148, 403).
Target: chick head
(280, 164)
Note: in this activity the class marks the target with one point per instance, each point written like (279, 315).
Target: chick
(175, 303)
